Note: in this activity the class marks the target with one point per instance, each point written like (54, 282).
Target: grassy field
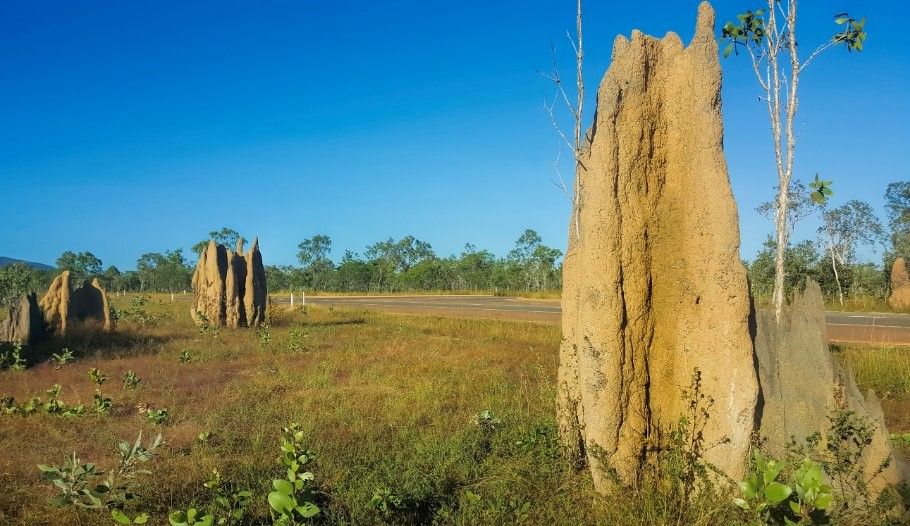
(535, 294)
(886, 369)
(387, 404)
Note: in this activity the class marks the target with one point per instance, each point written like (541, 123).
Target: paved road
(877, 328)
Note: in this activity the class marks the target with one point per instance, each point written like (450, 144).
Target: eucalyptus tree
(768, 36)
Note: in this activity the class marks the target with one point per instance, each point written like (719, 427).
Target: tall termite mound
(24, 322)
(62, 304)
(654, 287)
(803, 386)
(229, 288)
(900, 285)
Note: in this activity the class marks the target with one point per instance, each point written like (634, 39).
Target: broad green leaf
(776, 492)
(308, 510)
(741, 503)
(120, 517)
(283, 486)
(747, 489)
(823, 501)
(281, 502)
(795, 507)
(177, 518)
(728, 50)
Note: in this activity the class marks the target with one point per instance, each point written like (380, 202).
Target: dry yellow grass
(386, 402)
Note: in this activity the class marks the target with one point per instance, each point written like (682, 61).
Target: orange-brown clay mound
(654, 287)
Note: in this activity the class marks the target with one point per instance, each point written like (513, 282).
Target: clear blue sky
(130, 127)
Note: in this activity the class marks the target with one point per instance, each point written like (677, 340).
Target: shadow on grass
(333, 323)
(87, 340)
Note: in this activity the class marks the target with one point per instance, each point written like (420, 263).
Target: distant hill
(4, 261)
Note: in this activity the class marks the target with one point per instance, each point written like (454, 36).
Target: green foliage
(801, 500)
(842, 453)
(853, 36)
(821, 191)
(829, 482)
(131, 380)
(85, 486)
(159, 417)
(102, 403)
(226, 236)
(64, 357)
(122, 518)
(263, 332)
(897, 206)
(228, 506)
(230, 503)
(97, 377)
(295, 340)
(313, 255)
(138, 311)
(761, 491)
(184, 356)
(191, 517)
(387, 504)
(168, 272)
(813, 496)
(11, 356)
(53, 406)
(750, 29)
(18, 279)
(292, 501)
(488, 424)
(411, 264)
(82, 265)
(487, 421)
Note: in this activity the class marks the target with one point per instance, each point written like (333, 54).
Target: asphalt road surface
(844, 327)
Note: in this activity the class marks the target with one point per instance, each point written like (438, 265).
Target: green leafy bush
(158, 417)
(291, 502)
(131, 380)
(86, 486)
(65, 357)
(11, 356)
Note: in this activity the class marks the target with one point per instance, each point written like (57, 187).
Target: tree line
(833, 259)
(407, 264)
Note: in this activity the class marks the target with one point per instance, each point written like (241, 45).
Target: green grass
(886, 370)
(387, 403)
(851, 304)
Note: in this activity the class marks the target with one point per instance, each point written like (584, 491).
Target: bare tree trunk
(580, 98)
(784, 161)
(576, 110)
(840, 290)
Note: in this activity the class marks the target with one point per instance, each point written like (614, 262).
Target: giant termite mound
(900, 285)
(62, 304)
(654, 287)
(23, 323)
(229, 288)
(804, 387)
